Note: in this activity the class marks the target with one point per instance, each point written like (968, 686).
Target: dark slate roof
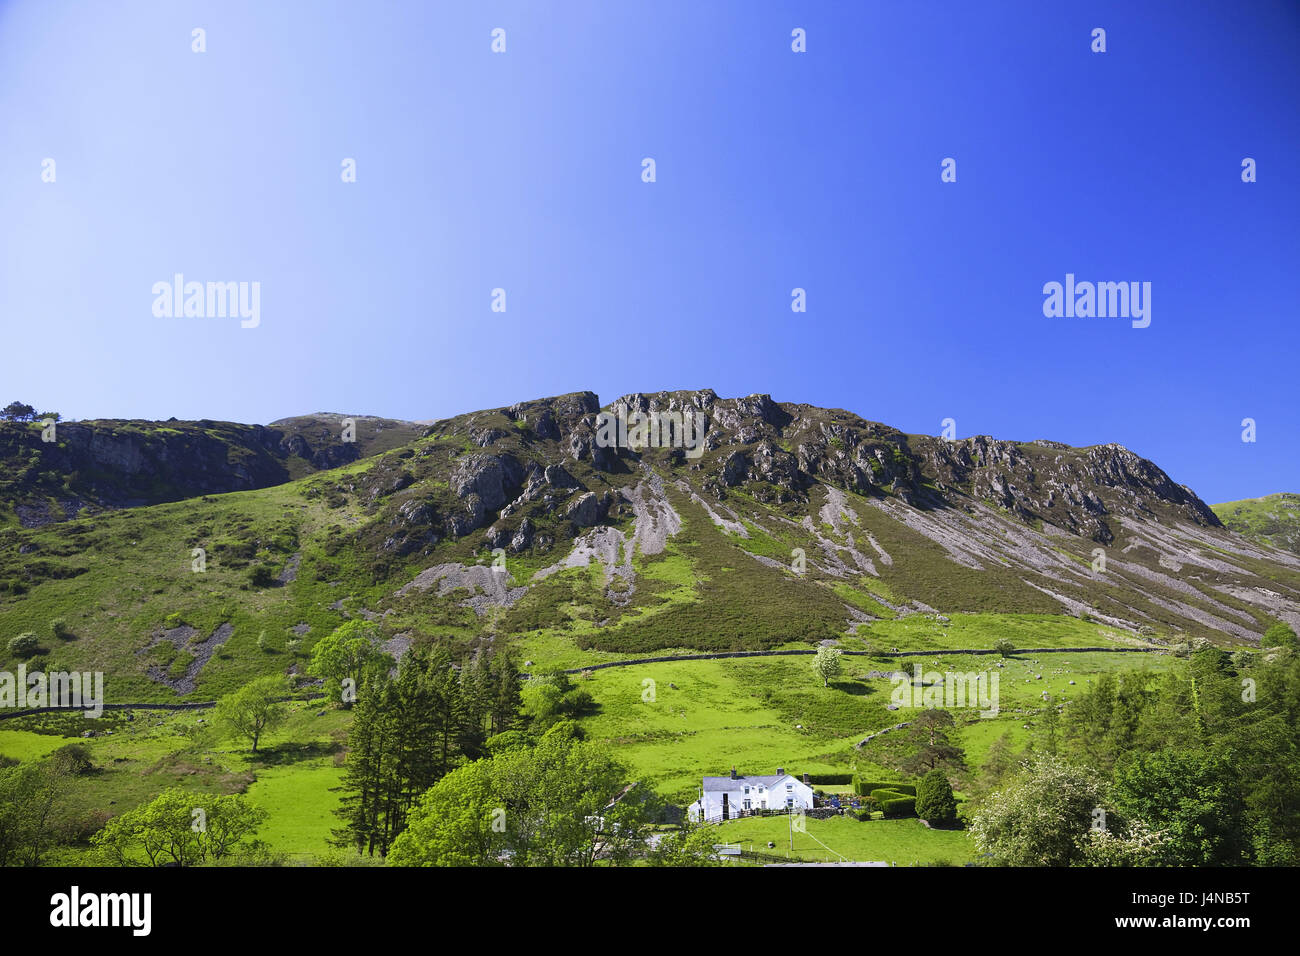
(714, 784)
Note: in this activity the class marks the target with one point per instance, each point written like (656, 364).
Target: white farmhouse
(725, 798)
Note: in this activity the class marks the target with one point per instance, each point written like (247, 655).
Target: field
(897, 842)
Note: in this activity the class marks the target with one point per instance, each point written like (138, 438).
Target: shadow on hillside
(288, 753)
(853, 688)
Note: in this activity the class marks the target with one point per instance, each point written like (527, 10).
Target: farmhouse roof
(714, 784)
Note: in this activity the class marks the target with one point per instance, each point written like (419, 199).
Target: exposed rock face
(588, 509)
(488, 477)
(557, 477)
(115, 464)
(1081, 490)
(813, 512)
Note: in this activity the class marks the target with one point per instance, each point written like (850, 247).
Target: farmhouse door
(726, 812)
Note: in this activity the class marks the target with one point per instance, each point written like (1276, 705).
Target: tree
(692, 845)
(18, 412)
(931, 747)
(935, 802)
(178, 827)
(29, 794)
(1138, 845)
(828, 664)
(1004, 647)
(24, 644)
(562, 802)
(408, 733)
(1043, 818)
(507, 699)
(1280, 634)
(1049, 729)
(254, 709)
(998, 764)
(458, 822)
(1194, 799)
(551, 698)
(347, 653)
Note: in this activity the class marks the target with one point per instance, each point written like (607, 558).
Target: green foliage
(1043, 818)
(828, 664)
(73, 759)
(29, 794)
(898, 805)
(59, 628)
(550, 697)
(261, 576)
(17, 411)
(555, 804)
(1004, 646)
(1280, 634)
(865, 788)
(348, 653)
(934, 798)
(828, 779)
(1193, 799)
(24, 644)
(178, 828)
(692, 845)
(254, 710)
(409, 732)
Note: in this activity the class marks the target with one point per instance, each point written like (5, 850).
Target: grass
(26, 745)
(758, 714)
(900, 842)
(300, 800)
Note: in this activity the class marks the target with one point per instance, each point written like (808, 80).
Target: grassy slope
(115, 579)
(1272, 519)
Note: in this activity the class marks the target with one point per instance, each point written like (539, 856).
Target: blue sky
(775, 170)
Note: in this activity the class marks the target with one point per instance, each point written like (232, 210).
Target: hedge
(827, 779)
(898, 806)
(863, 788)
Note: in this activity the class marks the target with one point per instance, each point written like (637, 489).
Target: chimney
(780, 771)
(733, 773)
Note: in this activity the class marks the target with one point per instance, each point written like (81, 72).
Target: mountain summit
(788, 523)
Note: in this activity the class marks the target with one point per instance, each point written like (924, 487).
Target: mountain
(1273, 520)
(793, 525)
(96, 465)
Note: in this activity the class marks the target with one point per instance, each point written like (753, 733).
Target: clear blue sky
(522, 170)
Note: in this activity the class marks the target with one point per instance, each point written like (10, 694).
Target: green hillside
(1273, 520)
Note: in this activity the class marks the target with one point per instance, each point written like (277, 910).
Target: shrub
(173, 620)
(23, 645)
(260, 576)
(74, 758)
(1004, 647)
(59, 628)
(934, 798)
